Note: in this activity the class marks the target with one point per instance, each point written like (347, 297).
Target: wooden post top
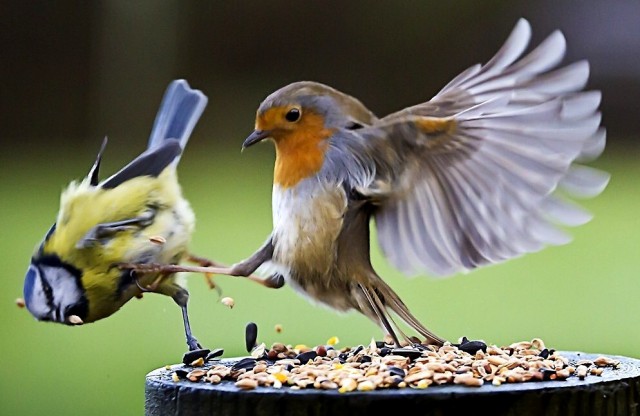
(615, 392)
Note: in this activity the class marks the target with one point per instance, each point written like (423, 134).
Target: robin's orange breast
(300, 151)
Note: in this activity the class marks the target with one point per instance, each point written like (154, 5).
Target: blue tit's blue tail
(178, 114)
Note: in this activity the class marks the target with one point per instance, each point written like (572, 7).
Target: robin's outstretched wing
(468, 178)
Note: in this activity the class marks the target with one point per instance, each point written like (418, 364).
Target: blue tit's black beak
(255, 137)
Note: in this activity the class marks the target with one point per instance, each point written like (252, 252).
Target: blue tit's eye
(293, 115)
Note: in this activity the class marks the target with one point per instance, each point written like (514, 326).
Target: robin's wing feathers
(468, 178)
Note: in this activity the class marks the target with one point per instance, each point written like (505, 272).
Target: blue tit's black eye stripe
(46, 288)
(55, 261)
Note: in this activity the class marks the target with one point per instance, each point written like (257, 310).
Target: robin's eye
(293, 115)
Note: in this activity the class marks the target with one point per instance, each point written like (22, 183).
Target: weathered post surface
(615, 392)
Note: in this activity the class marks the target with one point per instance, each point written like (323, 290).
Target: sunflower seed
(214, 354)
(250, 336)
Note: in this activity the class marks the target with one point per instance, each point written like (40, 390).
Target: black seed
(395, 380)
(365, 359)
(380, 344)
(472, 347)
(396, 371)
(343, 357)
(306, 356)
(250, 335)
(420, 347)
(552, 351)
(407, 352)
(244, 364)
(182, 373)
(547, 373)
(464, 340)
(385, 351)
(290, 367)
(191, 356)
(544, 353)
(357, 350)
(214, 354)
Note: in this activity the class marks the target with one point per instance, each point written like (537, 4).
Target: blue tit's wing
(468, 178)
(150, 163)
(105, 231)
(178, 114)
(94, 172)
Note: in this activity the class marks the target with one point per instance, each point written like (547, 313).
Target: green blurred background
(73, 72)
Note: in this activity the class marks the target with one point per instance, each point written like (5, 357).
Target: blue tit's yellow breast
(83, 207)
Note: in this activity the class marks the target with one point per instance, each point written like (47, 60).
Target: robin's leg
(204, 262)
(276, 281)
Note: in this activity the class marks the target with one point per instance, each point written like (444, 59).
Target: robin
(463, 180)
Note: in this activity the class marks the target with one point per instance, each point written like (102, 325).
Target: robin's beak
(255, 137)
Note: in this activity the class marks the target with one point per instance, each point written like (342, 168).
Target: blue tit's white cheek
(65, 289)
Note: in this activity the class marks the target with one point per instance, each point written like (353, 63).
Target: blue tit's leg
(181, 296)
(192, 342)
(204, 262)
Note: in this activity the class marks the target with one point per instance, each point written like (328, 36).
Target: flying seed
(158, 239)
(20, 303)
(250, 336)
(75, 320)
(278, 328)
(228, 302)
(333, 341)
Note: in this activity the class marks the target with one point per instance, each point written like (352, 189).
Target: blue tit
(138, 215)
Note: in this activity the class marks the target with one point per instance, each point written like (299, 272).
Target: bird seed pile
(383, 366)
